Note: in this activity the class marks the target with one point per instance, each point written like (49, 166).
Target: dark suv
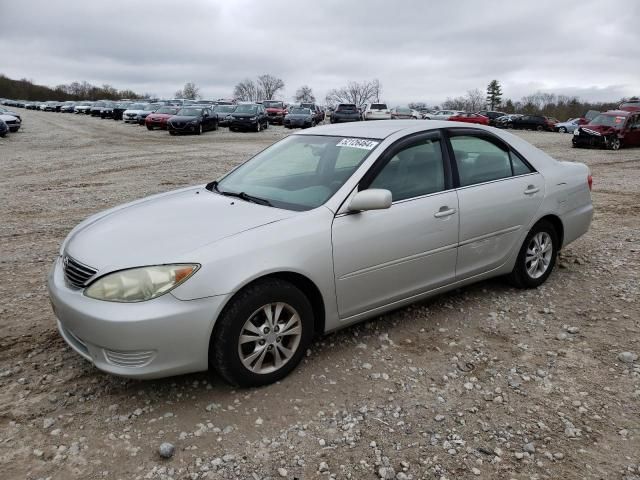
(533, 122)
(346, 112)
(492, 116)
(248, 116)
(612, 129)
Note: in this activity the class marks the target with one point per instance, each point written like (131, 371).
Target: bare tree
(472, 102)
(356, 93)
(269, 86)
(247, 90)
(190, 91)
(304, 94)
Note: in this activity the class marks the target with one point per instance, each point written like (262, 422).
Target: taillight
(590, 182)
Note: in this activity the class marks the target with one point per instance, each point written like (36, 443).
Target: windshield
(189, 112)
(403, 110)
(273, 104)
(310, 106)
(246, 109)
(300, 111)
(300, 172)
(608, 121)
(137, 106)
(171, 110)
(225, 108)
(151, 107)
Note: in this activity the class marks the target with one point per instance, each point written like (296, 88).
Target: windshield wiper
(213, 186)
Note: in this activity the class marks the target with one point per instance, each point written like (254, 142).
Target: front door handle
(444, 212)
(531, 189)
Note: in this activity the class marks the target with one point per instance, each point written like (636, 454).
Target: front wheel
(537, 256)
(614, 143)
(199, 129)
(562, 130)
(262, 334)
(539, 128)
(149, 127)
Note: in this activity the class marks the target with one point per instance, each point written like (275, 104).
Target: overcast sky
(419, 50)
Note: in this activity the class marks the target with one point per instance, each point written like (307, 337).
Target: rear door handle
(444, 212)
(531, 189)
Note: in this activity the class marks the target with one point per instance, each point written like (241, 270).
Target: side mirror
(371, 199)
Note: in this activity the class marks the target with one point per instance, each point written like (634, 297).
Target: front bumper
(241, 123)
(341, 119)
(156, 124)
(157, 338)
(587, 140)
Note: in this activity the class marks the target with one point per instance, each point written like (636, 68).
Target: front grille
(131, 359)
(77, 274)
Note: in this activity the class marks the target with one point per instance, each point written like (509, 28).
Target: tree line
(27, 90)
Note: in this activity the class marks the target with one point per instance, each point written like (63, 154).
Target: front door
(388, 255)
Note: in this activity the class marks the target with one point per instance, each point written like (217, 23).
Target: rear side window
(480, 160)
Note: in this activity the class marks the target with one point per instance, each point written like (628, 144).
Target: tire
(247, 308)
(539, 128)
(199, 130)
(258, 127)
(149, 127)
(171, 132)
(509, 125)
(614, 143)
(562, 129)
(215, 126)
(542, 234)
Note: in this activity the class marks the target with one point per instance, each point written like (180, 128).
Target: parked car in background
(276, 110)
(470, 118)
(505, 121)
(6, 111)
(132, 113)
(192, 119)
(148, 110)
(533, 122)
(67, 107)
(404, 113)
(377, 111)
(159, 118)
(97, 107)
(613, 129)
(4, 129)
(570, 125)
(13, 123)
(31, 105)
(491, 115)
(249, 116)
(107, 110)
(299, 117)
(52, 106)
(83, 107)
(224, 112)
(119, 109)
(631, 106)
(346, 112)
(442, 114)
(318, 113)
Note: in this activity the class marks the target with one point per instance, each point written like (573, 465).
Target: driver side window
(414, 171)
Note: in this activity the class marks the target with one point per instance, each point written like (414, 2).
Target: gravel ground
(483, 382)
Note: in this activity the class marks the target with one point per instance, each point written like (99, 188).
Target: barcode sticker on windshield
(358, 143)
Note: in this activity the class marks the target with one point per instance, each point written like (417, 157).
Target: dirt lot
(484, 382)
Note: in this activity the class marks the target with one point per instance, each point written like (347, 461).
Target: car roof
(379, 129)
(618, 113)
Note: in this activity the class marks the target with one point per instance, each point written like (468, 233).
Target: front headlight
(253, 118)
(576, 131)
(140, 284)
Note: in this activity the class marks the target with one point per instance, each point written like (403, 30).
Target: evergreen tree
(494, 94)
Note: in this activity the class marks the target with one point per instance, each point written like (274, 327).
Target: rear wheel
(171, 132)
(199, 129)
(509, 125)
(262, 334)
(149, 127)
(539, 128)
(537, 256)
(562, 129)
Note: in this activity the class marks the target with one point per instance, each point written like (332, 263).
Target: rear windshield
(274, 104)
(300, 111)
(345, 107)
(378, 106)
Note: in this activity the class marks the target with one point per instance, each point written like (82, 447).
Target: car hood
(243, 115)
(164, 228)
(159, 116)
(8, 118)
(134, 111)
(598, 129)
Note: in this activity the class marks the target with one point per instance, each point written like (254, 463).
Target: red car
(470, 118)
(158, 119)
(276, 111)
(613, 129)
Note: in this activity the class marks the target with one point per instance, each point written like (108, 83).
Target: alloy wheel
(270, 338)
(538, 256)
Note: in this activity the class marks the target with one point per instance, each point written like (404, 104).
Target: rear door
(632, 135)
(498, 193)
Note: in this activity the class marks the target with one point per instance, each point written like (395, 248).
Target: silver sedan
(323, 229)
